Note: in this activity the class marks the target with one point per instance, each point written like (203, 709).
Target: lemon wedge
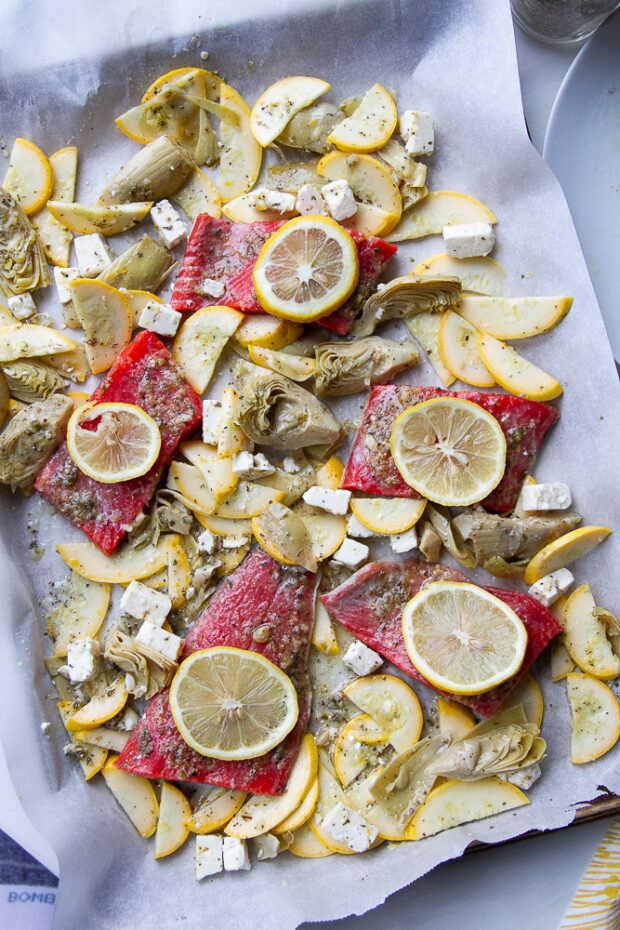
(514, 372)
(463, 639)
(371, 124)
(113, 442)
(450, 450)
(561, 552)
(388, 515)
(231, 703)
(29, 177)
(459, 351)
(595, 716)
(280, 102)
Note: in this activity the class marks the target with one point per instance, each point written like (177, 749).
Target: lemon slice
(463, 639)
(113, 442)
(371, 124)
(595, 718)
(561, 552)
(306, 269)
(450, 450)
(231, 703)
(29, 177)
(459, 352)
(387, 515)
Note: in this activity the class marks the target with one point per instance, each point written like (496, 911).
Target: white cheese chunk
(211, 288)
(339, 200)
(211, 421)
(207, 542)
(524, 778)
(160, 318)
(468, 240)
(233, 542)
(263, 198)
(63, 278)
(22, 306)
(167, 644)
(170, 227)
(356, 528)
(547, 590)
(310, 200)
(248, 466)
(349, 827)
(208, 856)
(266, 846)
(362, 660)
(417, 132)
(404, 542)
(334, 501)
(351, 553)
(236, 856)
(290, 465)
(145, 603)
(92, 253)
(554, 495)
(83, 659)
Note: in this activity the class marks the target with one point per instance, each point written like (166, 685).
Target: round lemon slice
(30, 177)
(113, 442)
(388, 515)
(308, 268)
(231, 703)
(463, 639)
(450, 450)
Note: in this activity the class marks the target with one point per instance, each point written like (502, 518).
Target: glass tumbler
(561, 22)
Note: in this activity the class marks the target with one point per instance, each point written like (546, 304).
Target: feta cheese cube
(248, 466)
(357, 529)
(207, 542)
(211, 421)
(547, 590)
(208, 856)
(550, 496)
(362, 660)
(160, 318)
(266, 846)
(310, 200)
(339, 200)
(351, 553)
(63, 278)
(236, 855)
(167, 644)
(92, 253)
(524, 778)
(234, 542)
(170, 227)
(83, 659)
(22, 306)
(263, 198)
(334, 501)
(211, 288)
(404, 542)
(467, 240)
(349, 827)
(145, 603)
(417, 132)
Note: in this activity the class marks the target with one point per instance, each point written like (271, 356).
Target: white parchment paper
(457, 61)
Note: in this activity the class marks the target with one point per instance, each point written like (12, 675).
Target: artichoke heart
(154, 173)
(147, 671)
(22, 262)
(142, 267)
(310, 127)
(29, 380)
(404, 297)
(277, 412)
(349, 367)
(498, 752)
(30, 439)
(511, 539)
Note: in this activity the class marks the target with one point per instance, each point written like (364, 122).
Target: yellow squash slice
(513, 317)
(53, 236)
(392, 705)
(123, 566)
(80, 613)
(201, 340)
(215, 810)
(586, 637)
(240, 153)
(104, 705)
(105, 316)
(30, 340)
(515, 373)
(135, 795)
(109, 221)
(457, 802)
(280, 102)
(388, 515)
(30, 177)
(561, 552)
(483, 275)
(199, 195)
(439, 209)
(172, 830)
(459, 350)
(370, 125)
(595, 717)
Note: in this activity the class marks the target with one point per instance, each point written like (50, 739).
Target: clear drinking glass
(561, 22)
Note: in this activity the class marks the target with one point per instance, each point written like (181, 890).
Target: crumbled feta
(211, 421)
(160, 318)
(207, 542)
(351, 553)
(170, 227)
(167, 644)
(92, 253)
(83, 658)
(46, 727)
(310, 200)
(548, 589)
(550, 496)
(263, 198)
(404, 542)
(22, 306)
(266, 846)
(361, 660)
(339, 200)
(208, 857)
(356, 528)
(524, 778)
(290, 465)
(236, 855)
(349, 827)
(145, 603)
(63, 278)
(334, 501)
(233, 542)
(417, 132)
(211, 288)
(248, 466)
(467, 240)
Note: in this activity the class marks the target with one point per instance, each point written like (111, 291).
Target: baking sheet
(457, 61)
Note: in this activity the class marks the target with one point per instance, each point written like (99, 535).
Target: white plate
(582, 146)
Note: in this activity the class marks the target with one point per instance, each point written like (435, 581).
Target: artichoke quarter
(406, 296)
(30, 439)
(29, 380)
(349, 367)
(22, 262)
